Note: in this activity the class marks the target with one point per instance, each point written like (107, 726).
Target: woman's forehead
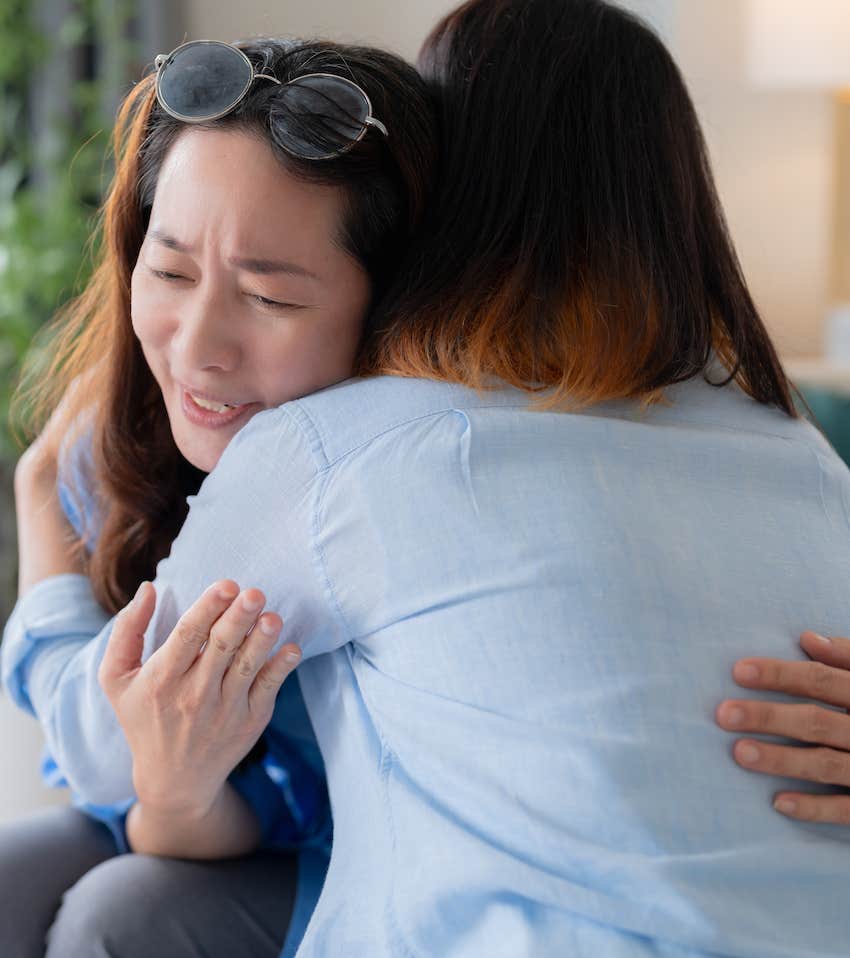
(228, 187)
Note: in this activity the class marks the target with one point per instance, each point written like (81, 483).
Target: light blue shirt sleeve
(55, 639)
(53, 624)
(255, 520)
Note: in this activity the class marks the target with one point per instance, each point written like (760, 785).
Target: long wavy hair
(576, 247)
(91, 361)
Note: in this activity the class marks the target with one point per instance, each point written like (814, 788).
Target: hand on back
(195, 708)
(824, 733)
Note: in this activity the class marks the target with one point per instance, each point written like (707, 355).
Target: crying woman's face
(242, 297)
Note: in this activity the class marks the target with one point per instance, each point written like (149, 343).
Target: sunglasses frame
(162, 60)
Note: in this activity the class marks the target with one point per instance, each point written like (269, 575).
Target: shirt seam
(329, 463)
(743, 432)
(307, 429)
(387, 763)
(317, 444)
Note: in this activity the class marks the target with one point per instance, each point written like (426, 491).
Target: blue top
(285, 784)
(516, 627)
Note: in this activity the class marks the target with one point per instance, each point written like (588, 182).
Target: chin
(201, 458)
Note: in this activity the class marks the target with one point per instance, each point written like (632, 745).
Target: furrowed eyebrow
(265, 266)
(249, 264)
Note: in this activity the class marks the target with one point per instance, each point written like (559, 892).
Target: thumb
(123, 653)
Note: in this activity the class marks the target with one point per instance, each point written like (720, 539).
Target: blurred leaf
(45, 226)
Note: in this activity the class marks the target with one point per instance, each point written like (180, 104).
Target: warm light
(799, 43)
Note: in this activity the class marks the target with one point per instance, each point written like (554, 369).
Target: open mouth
(209, 404)
(204, 412)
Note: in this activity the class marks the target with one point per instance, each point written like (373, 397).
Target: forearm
(226, 830)
(45, 536)
(52, 646)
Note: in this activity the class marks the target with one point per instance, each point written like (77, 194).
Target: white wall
(21, 788)
(771, 151)
(398, 25)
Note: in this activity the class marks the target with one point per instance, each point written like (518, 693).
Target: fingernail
(734, 716)
(137, 598)
(746, 673)
(786, 806)
(293, 656)
(748, 754)
(228, 594)
(821, 638)
(251, 605)
(267, 627)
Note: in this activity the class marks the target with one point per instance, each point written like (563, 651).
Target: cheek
(295, 362)
(147, 314)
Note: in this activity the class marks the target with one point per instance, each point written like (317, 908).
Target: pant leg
(138, 906)
(41, 856)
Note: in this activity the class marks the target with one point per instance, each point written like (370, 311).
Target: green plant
(49, 196)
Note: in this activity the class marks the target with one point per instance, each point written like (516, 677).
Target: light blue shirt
(516, 627)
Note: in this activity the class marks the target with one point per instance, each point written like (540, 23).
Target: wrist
(35, 471)
(158, 815)
(171, 806)
(225, 829)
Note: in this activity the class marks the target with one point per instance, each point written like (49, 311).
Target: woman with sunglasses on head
(262, 196)
(516, 604)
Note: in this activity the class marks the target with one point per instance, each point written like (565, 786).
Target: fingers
(227, 637)
(123, 654)
(193, 628)
(222, 644)
(236, 655)
(833, 650)
(271, 676)
(807, 723)
(825, 765)
(250, 656)
(825, 679)
(814, 680)
(834, 809)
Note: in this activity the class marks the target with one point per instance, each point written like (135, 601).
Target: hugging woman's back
(516, 621)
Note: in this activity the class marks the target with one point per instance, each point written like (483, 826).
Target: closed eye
(273, 303)
(263, 301)
(164, 274)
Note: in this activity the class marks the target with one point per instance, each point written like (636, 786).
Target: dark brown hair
(138, 476)
(576, 244)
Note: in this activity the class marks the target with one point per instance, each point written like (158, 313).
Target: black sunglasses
(322, 115)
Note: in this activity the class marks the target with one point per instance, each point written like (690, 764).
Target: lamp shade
(799, 43)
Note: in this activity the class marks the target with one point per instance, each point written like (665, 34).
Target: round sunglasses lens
(321, 116)
(201, 80)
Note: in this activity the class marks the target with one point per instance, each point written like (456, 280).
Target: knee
(113, 911)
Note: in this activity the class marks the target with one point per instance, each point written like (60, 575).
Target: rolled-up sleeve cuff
(56, 608)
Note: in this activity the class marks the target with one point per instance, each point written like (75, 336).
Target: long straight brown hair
(135, 472)
(576, 245)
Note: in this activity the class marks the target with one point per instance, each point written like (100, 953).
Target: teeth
(214, 406)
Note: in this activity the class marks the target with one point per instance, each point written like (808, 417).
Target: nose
(206, 336)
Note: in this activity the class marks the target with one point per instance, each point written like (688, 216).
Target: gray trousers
(66, 893)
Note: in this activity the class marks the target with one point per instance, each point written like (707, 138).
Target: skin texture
(198, 318)
(191, 715)
(825, 679)
(44, 533)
